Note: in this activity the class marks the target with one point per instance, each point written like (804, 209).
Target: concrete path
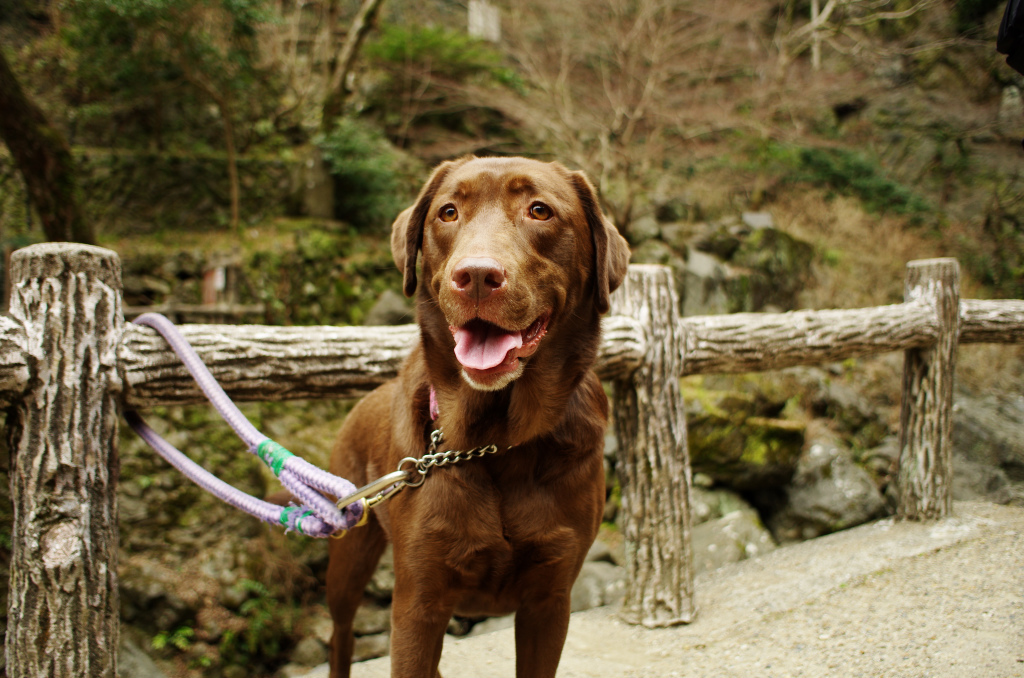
(900, 600)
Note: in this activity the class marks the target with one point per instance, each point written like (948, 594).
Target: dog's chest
(508, 532)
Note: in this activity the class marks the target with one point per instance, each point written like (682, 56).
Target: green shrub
(844, 172)
(850, 173)
(969, 15)
(366, 181)
(451, 54)
(426, 77)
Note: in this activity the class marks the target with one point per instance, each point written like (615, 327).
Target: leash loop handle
(318, 517)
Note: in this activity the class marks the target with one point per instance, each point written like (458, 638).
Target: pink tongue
(481, 347)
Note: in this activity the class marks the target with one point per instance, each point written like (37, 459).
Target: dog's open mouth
(484, 349)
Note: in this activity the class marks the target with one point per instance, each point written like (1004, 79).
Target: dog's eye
(540, 211)
(448, 213)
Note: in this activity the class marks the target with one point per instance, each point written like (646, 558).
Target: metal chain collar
(434, 458)
(388, 486)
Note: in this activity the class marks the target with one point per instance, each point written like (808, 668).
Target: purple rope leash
(317, 517)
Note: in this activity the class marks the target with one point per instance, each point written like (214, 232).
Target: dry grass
(862, 261)
(862, 257)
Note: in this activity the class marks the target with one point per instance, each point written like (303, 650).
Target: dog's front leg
(420, 611)
(541, 626)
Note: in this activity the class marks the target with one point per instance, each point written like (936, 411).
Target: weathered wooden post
(63, 606)
(653, 461)
(925, 474)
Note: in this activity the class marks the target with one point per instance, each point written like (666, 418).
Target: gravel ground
(887, 599)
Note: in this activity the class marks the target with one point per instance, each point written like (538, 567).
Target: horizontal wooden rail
(999, 321)
(753, 342)
(285, 363)
(278, 363)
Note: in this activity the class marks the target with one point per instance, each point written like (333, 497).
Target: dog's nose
(475, 278)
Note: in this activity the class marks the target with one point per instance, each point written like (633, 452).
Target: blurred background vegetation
(279, 136)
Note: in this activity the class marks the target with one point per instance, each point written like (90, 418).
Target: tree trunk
(63, 605)
(925, 477)
(229, 143)
(44, 160)
(653, 459)
(337, 89)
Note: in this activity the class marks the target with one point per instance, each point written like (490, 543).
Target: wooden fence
(69, 364)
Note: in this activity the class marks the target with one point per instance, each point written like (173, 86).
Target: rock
(720, 239)
(236, 671)
(371, 647)
(737, 448)
(321, 628)
(987, 430)
(657, 252)
(382, 584)
(677, 234)
(758, 220)
(459, 626)
(391, 308)
(704, 285)
(493, 624)
(780, 266)
(829, 492)
(707, 504)
(151, 590)
(599, 552)
(734, 537)
(309, 652)
(600, 583)
(133, 662)
(213, 621)
(974, 481)
(232, 597)
(293, 671)
(881, 461)
(643, 229)
(1011, 108)
(846, 408)
(677, 208)
(371, 619)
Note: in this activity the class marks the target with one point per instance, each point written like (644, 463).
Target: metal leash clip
(374, 493)
(385, 487)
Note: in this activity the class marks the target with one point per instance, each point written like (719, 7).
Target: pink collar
(435, 410)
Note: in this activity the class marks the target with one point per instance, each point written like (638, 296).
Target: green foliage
(153, 66)
(451, 55)
(995, 256)
(179, 639)
(424, 74)
(969, 15)
(849, 172)
(366, 180)
(845, 172)
(268, 622)
(329, 277)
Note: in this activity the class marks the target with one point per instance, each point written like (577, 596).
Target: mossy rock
(739, 449)
(780, 266)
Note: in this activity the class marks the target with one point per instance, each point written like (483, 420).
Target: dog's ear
(611, 251)
(407, 231)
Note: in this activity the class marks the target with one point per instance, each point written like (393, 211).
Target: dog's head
(512, 248)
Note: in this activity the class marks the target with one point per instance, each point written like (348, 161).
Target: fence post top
(61, 249)
(53, 259)
(938, 261)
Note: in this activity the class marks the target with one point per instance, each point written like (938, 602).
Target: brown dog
(518, 263)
